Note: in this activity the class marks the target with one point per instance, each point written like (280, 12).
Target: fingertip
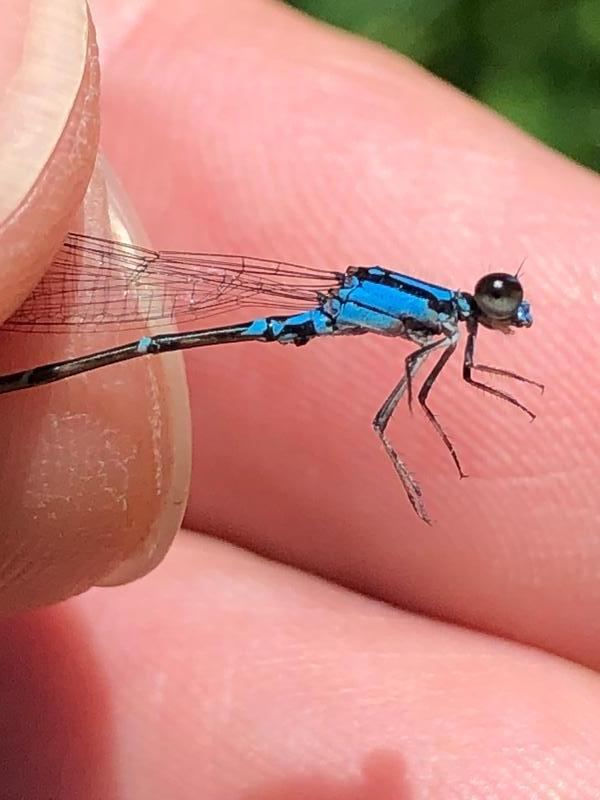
(95, 470)
(49, 126)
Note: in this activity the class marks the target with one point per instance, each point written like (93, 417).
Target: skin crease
(222, 674)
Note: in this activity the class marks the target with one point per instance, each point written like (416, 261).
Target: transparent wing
(98, 284)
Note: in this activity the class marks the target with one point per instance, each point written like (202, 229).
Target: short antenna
(520, 270)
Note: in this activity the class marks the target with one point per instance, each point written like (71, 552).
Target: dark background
(537, 62)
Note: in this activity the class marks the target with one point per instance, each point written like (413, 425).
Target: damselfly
(96, 284)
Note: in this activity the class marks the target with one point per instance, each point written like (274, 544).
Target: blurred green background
(537, 62)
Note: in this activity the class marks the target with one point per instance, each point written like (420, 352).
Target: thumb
(92, 474)
(48, 134)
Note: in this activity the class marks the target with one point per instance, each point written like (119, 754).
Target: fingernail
(154, 545)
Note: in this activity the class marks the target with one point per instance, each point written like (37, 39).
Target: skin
(368, 657)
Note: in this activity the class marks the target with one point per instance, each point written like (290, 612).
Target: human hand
(260, 132)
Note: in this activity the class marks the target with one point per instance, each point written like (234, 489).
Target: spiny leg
(505, 373)
(413, 364)
(409, 372)
(382, 418)
(424, 393)
(468, 365)
(408, 361)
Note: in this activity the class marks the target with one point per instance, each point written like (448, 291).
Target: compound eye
(498, 295)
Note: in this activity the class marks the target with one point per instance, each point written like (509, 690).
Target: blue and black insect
(97, 284)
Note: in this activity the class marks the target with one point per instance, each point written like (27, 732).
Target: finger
(309, 690)
(94, 475)
(48, 96)
(286, 139)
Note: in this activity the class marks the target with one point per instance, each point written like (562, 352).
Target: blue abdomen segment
(393, 304)
(294, 329)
